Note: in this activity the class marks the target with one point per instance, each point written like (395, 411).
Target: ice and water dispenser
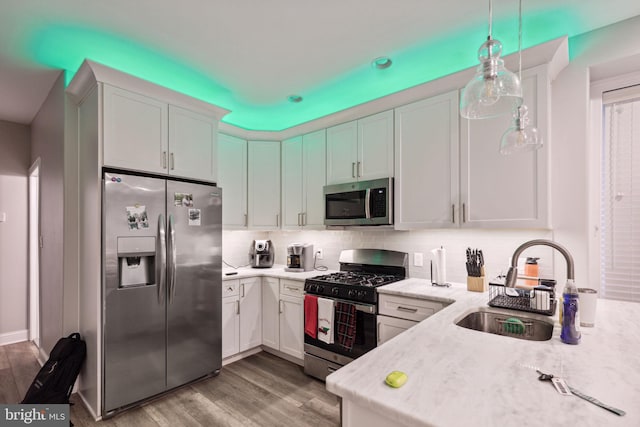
(136, 261)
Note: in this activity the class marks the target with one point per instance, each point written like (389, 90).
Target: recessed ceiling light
(295, 98)
(381, 63)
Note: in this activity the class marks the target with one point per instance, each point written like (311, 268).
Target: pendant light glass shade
(493, 91)
(520, 137)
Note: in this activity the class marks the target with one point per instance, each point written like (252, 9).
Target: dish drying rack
(499, 298)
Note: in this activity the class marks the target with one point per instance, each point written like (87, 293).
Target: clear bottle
(569, 314)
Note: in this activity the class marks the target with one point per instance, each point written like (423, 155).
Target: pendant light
(493, 91)
(520, 136)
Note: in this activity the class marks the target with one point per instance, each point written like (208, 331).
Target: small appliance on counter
(299, 257)
(261, 254)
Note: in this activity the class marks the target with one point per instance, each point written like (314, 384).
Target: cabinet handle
(304, 218)
(407, 309)
(238, 307)
(164, 160)
(171, 161)
(453, 213)
(246, 220)
(299, 220)
(292, 289)
(464, 213)
(280, 307)
(242, 287)
(277, 220)
(359, 169)
(378, 332)
(353, 169)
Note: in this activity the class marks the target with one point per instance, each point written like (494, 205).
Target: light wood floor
(261, 390)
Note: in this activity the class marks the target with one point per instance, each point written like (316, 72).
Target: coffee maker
(299, 257)
(261, 254)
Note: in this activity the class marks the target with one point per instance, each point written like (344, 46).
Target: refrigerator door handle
(172, 259)
(161, 257)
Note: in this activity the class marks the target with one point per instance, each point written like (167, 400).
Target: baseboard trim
(242, 355)
(87, 406)
(284, 356)
(14, 337)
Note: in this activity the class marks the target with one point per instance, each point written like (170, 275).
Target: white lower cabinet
(396, 314)
(241, 315)
(283, 316)
(230, 318)
(389, 327)
(271, 312)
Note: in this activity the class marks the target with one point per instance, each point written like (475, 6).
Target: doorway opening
(35, 243)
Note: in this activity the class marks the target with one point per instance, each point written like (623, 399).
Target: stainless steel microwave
(359, 203)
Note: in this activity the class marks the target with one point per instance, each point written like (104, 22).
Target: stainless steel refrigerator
(162, 262)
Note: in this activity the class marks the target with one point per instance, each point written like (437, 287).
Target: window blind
(620, 196)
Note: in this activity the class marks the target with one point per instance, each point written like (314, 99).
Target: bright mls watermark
(34, 415)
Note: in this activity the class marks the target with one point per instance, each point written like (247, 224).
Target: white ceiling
(262, 50)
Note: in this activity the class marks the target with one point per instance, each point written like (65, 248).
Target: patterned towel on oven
(345, 324)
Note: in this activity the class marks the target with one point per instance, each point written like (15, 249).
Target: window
(620, 195)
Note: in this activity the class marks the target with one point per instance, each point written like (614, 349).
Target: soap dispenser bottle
(531, 270)
(569, 314)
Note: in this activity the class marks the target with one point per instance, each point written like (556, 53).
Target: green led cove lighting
(65, 46)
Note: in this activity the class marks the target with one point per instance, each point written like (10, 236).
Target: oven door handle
(366, 308)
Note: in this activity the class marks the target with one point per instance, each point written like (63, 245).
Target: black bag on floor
(54, 382)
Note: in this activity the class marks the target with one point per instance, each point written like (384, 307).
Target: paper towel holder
(440, 274)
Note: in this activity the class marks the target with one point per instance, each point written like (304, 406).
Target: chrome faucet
(512, 274)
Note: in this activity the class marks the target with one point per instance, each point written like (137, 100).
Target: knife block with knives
(476, 279)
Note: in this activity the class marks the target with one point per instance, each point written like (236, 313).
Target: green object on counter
(513, 325)
(396, 379)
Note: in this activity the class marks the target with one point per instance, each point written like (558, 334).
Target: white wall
(47, 143)
(14, 169)
(573, 139)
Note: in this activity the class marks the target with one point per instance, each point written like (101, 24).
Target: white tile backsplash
(497, 246)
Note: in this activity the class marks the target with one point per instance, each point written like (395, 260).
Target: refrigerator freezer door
(134, 309)
(194, 299)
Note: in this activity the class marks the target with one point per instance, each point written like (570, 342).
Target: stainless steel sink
(508, 323)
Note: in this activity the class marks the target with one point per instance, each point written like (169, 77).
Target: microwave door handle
(367, 202)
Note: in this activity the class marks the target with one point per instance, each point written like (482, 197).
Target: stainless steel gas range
(353, 296)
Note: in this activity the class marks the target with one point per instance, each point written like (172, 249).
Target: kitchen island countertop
(462, 377)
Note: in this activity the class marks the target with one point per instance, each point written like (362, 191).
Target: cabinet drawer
(230, 288)
(292, 288)
(407, 308)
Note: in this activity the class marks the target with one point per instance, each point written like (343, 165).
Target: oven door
(365, 337)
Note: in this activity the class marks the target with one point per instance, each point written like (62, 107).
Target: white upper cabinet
(447, 177)
(314, 162)
(292, 183)
(135, 131)
(264, 185)
(303, 179)
(506, 191)
(375, 146)
(361, 149)
(232, 178)
(144, 134)
(426, 163)
(192, 145)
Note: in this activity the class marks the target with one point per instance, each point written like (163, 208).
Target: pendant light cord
(520, 40)
(490, 18)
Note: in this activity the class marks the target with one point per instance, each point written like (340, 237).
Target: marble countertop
(461, 377)
(275, 271)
